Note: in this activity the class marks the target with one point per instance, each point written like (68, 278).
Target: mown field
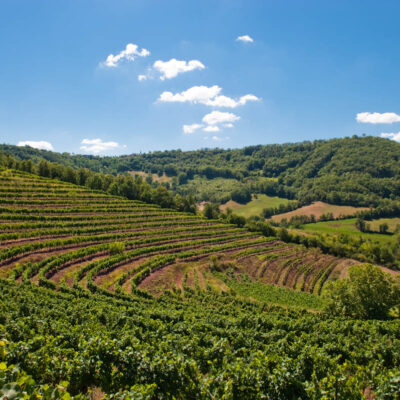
(255, 206)
(155, 177)
(106, 298)
(347, 226)
(319, 208)
(392, 223)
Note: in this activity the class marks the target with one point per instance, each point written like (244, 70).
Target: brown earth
(317, 209)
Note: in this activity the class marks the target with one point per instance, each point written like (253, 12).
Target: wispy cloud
(189, 129)
(245, 39)
(97, 146)
(211, 128)
(131, 51)
(377, 118)
(220, 139)
(210, 96)
(41, 144)
(393, 136)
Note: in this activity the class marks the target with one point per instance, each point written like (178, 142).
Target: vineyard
(104, 297)
(60, 235)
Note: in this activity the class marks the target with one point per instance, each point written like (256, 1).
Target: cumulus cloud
(189, 129)
(41, 144)
(171, 69)
(195, 94)
(213, 122)
(393, 136)
(97, 146)
(142, 77)
(218, 117)
(378, 118)
(210, 96)
(131, 51)
(245, 39)
(211, 128)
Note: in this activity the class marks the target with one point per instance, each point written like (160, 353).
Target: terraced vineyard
(77, 268)
(64, 236)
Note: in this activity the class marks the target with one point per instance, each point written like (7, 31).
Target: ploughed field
(57, 234)
(77, 320)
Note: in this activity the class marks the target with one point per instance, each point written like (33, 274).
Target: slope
(59, 234)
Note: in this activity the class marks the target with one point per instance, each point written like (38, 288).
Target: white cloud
(378, 118)
(96, 146)
(211, 128)
(171, 69)
(142, 77)
(245, 39)
(213, 122)
(188, 129)
(393, 136)
(41, 144)
(218, 117)
(195, 94)
(210, 96)
(131, 50)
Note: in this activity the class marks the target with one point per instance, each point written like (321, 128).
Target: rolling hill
(338, 171)
(55, 233)
(79, 272)
(109, 298)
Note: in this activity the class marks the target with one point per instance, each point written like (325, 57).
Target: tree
(383, 228)
(241, 195)
(360, 225)
(211, 211)
(368, 293)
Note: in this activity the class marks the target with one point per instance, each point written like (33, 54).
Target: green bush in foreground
(368, 293)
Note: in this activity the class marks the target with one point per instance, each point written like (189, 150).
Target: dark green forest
(358, 171)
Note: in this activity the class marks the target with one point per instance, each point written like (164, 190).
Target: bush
(368, 293)
(241, 195)
(116, 248)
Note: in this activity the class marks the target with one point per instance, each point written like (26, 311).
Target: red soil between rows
(155, 277)
(17, 242)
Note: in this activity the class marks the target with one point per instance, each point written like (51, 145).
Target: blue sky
(311, 68)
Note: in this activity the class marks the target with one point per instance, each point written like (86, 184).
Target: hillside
(56, 233)
(338, 171)
(77, 312)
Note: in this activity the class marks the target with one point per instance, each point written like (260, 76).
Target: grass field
(319, 208)
(160, 179)
(215, 190)
(274, 294)
(392, 223)
(255, 206)
(345, 226)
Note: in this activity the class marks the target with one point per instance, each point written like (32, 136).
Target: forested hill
(355, 171)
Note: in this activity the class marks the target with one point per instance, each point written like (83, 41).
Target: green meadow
(347, 226)
(256, 205)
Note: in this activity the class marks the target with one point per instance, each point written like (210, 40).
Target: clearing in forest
(319, 208)
(255, 206)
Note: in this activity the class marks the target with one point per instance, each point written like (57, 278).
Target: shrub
(368, 293)
(116, 248)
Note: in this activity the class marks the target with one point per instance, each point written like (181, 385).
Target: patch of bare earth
(230, 204)
(319, 208)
